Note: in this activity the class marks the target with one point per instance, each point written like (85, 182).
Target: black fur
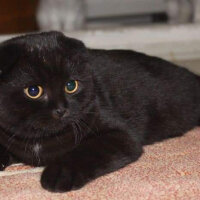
(125, 99)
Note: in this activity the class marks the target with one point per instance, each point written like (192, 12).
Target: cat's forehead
(44, 54)
(48, 40)
(50, 46)
(46, 43)
(47, 65)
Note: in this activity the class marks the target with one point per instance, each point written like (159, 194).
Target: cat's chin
(47, 127)
(34, 132)
(46, 131)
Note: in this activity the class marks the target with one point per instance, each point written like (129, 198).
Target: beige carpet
(167, 170)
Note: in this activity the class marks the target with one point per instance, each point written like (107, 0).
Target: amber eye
(33, 92)
(71, 86)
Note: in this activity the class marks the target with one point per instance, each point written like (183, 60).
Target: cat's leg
(94, 157)
(4, 158)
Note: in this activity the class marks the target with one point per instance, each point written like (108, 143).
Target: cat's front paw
(4, 158)
(61, 178)
(4, 161)
(3, 164)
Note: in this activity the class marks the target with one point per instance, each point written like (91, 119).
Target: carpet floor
(167, 170)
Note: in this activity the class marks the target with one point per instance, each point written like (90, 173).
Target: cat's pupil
(71, 85)
(33, 91)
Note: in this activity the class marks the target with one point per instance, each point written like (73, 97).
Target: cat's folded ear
(9, 54)
(75, 48)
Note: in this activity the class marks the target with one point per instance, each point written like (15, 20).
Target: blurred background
(165, 28)
(68, 15)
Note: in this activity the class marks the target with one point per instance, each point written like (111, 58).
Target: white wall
(174, 43)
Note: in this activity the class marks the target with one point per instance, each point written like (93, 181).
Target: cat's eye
(33, 92)
(71, 86)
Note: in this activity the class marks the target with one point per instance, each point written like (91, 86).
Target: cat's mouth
(50, 128)
(47, 124)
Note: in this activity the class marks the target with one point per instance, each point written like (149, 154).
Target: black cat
(83, 113)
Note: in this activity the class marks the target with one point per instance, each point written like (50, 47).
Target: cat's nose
(60, 113)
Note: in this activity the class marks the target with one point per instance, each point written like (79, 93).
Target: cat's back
(131, 78)
(108, 60)
(147, 92)
(135, 69)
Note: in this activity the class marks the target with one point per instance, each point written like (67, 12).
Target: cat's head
(45, 83)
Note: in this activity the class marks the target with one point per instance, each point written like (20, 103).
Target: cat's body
(125, 99)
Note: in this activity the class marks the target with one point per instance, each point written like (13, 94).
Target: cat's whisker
(80, 131)
(26, 145)
(85, 124)
(89, 128)
(10, 141)
(75, 132)
(58, 139)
